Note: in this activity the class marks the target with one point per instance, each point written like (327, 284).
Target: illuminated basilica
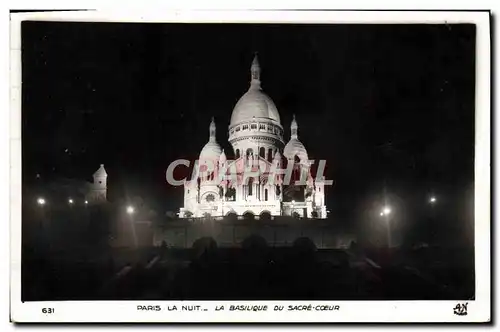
(257, 139)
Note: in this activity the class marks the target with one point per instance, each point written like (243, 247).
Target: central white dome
(254, 104)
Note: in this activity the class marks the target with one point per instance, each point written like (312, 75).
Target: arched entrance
(265, 215)
(231, 216)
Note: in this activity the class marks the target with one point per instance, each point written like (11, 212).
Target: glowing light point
(70, 201)
(130, 210)
(40, 201)
(433, 199)
(386, 210)
(86, 202)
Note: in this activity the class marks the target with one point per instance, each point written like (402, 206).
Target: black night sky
(381, 103)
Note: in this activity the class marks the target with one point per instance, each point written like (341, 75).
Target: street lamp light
(432, 200)
(86, 202)
(385, 213)
(40, 201)
(70, 201)
(130, 211)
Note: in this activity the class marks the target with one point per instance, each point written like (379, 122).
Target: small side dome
(295, 148)
(211, 150)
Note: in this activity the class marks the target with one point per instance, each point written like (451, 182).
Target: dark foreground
(250, 273)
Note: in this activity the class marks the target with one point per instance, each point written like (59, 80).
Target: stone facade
(278, 232)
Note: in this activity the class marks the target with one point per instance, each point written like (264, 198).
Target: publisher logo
(460, 309)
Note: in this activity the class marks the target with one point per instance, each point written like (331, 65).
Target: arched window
(265, 215)
(237, 153)
(265, 195)
(262, 152)
(270, 155)
(296, 159)
(249, 152)
(250, 186)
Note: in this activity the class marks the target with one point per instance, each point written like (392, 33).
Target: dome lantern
(212, 131)
(255, 72)
(294, 128)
